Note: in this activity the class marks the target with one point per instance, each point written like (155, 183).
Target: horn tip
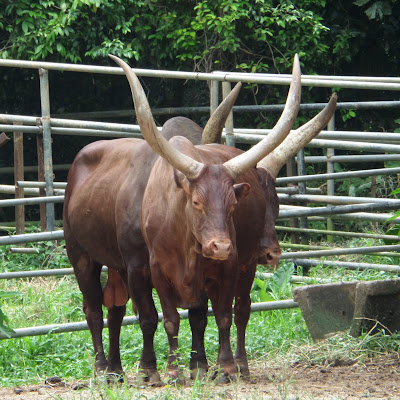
(120, 62)
(296, 65)
(238, 86)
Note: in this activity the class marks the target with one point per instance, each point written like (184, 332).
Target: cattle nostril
(220, 248)
(270, 256)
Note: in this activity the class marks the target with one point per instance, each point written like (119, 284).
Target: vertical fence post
(19, 176)
(330, 167)
(47, 153)
(230, 139)
(214, 94)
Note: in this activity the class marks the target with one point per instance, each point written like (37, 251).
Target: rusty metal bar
(19, 175)
(41, 177)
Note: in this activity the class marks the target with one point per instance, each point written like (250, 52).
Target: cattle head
(211, 199)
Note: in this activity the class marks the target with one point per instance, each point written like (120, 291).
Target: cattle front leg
(242, 315)
(171, 326)
(223, 316)
(171, 323)
(198, 323)
(140, 290)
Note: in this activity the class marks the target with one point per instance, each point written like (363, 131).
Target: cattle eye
(196, 204)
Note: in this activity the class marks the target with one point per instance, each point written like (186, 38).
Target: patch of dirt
(378, 378)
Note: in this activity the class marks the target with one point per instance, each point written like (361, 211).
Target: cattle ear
(241, 190)
(181, 181)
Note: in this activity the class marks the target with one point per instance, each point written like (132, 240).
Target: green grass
(52, 300)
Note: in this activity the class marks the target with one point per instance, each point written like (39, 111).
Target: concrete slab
(328, 308)
(354, 307)
(377, 304)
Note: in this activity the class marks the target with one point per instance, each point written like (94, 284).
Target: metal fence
(384, 146)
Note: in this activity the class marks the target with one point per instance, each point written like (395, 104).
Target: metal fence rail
(81, 326)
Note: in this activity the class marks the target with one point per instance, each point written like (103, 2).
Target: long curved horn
(240, 164)
(189, 167)
(297, 139)
(213, 130)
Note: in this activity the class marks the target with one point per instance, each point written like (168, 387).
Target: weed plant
(51, 300)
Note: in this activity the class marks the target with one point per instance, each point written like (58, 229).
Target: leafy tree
(225, 34)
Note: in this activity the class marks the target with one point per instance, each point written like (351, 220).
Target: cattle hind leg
(87, 273)
(140, 290)
(115, 317)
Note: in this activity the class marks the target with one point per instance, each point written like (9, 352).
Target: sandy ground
(378, 378)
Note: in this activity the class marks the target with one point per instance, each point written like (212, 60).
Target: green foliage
(347, 114)
(4, 321)
(397, 213)
(227, 27)
(376, 9)
(252, 35)
(49, 256)
(43, 29)
(277, 286)
(397, 121)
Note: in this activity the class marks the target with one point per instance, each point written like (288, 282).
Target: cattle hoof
(226, 375)
(152, 378)
(198, 374)
(224, 378)
(100, 368)
(114, 377)
(155, 380)
(243, 370)
(174, 378)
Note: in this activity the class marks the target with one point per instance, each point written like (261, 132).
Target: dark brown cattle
(201, 242)
(102, 207)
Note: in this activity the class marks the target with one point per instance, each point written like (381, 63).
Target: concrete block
(377, 301)
(328, 308)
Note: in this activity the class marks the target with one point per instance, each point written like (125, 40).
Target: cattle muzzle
(218, 249)
(270, 256)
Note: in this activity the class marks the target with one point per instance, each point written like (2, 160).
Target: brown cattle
(102, 207)
(207, 214)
